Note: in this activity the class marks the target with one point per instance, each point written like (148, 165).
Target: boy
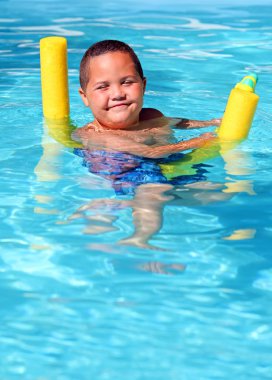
(126, 142)
(113, 86)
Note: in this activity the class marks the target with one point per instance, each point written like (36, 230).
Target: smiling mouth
(119, 105)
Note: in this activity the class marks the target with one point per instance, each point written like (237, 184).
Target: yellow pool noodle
(240, 110)
(54, 77)
(185, 166)
(236, 123)
(60, 130)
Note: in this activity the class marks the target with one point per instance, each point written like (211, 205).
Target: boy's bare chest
(147, 136)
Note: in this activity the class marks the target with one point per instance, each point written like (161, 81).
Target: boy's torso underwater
(127, 171)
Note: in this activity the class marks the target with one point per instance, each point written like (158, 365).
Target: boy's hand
(188, 124)
(206, 123)
(207, 136)
(215, 122)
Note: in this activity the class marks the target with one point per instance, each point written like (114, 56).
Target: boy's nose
(117, 93)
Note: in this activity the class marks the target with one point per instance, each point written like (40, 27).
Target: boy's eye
(127, 81)
(102, 87)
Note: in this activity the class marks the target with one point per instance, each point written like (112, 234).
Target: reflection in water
(147, 207)
(44, 200)
(247, 233)
(238, 164)
(149, 200)
(157, 267)
(56, 134)
(47, 168)
(47, 171)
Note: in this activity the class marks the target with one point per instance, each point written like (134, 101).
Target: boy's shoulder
(150, 113)
(82, 132)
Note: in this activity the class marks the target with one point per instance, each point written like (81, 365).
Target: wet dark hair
(103, 47)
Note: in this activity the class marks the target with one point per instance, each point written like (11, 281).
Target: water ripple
(54, 29)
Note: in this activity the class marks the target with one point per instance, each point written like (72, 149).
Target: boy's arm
(166, 150)
(181, 123)
(107, 141)
(190, 124)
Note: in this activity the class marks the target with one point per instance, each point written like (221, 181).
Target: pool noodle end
(240, 110)
(54, 77)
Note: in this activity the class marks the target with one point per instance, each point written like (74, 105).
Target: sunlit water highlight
(77, 304)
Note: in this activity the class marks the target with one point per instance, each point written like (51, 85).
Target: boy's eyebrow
(129, 76)
(101, 82)
(123, 78)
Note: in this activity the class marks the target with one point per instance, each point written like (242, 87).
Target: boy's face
(115, 90)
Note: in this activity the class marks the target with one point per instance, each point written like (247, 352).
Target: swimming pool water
(77, 304)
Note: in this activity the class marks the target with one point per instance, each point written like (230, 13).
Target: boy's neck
(99, 127)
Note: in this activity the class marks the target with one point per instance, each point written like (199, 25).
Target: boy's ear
(83, 97)
(144, 83)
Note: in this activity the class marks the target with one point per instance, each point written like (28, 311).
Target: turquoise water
(77, 304)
